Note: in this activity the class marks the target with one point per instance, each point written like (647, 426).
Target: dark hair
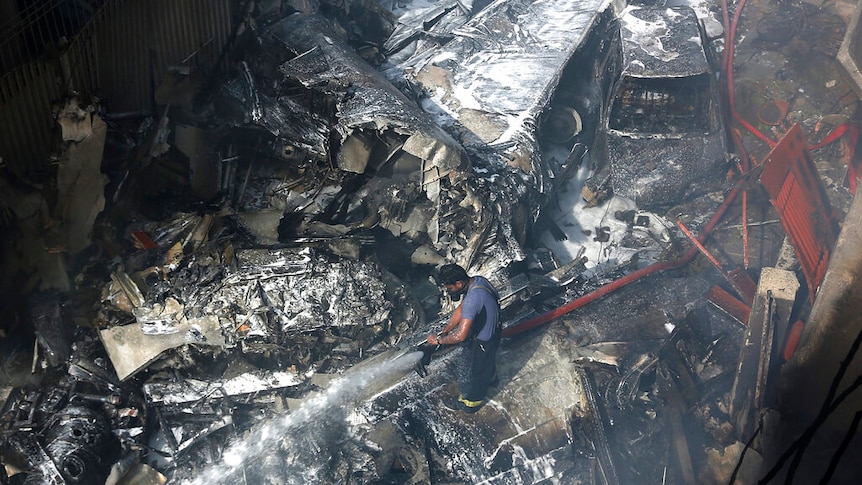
(450, 274)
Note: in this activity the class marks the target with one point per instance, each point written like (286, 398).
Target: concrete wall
(834, 323)
(850, 53)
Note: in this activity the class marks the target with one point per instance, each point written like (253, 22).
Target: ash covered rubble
(634, 392)
(228, 318)
(381, 160)
(77, 427)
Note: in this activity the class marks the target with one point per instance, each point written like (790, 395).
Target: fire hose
(625, 280)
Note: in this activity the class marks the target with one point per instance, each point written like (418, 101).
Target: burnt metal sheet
(656, 171)
(661, 42)
(192, 390)
(131, 349)
(421, 28)
(493, 96)
(596, 424)
(411, 173)
(242, 104)
(366, 100)
(52, 333)
(796, 191)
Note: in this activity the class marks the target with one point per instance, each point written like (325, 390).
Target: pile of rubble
(262, 265)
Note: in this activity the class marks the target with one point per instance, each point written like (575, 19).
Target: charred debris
(270, 236)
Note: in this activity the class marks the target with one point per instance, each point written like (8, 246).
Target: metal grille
(662, 105)
(794, 186)
(119, 55)
(27, 32)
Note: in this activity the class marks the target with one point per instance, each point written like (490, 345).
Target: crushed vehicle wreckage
(270, 336)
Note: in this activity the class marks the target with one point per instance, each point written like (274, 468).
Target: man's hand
(433, 339)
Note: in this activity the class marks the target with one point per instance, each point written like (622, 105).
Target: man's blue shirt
(481, 295)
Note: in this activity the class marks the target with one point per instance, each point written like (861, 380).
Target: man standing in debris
(475, 324)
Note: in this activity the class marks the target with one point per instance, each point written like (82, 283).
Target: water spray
(298, 444)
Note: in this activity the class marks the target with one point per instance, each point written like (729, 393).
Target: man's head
(454, 278)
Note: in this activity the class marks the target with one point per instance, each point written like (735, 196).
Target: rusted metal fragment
(796, 191)
(731, 305)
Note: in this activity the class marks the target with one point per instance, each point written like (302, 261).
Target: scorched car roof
(662, 42)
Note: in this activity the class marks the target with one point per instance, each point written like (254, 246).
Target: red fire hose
(629, 278)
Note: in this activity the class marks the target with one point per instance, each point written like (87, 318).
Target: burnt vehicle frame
(660, 134)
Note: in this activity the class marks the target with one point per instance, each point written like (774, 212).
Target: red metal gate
(795, 189)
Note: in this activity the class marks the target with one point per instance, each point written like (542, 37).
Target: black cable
(742, 455)
(825, 410)
(797, 459)
(833, 464)
(809, 433)
(851, 353)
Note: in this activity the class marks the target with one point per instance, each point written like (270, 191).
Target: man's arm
(460, 335)
(462, 324)
(454, 320)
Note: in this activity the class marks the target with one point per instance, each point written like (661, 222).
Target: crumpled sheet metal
(370, 107)
(300, 291)
(131, 350)
(193, 390)
(366, 100)
(496, 93)
(241, 103)
(657, 43)
(491, 100)
(422, 27)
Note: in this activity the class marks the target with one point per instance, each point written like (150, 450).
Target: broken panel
(796, 191)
